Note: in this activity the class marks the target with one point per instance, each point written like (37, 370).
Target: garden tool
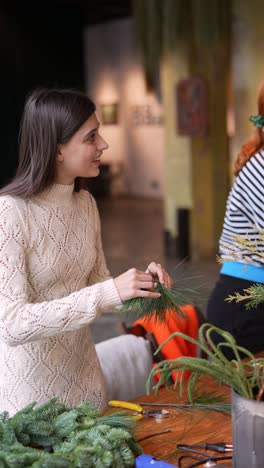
(139, 411)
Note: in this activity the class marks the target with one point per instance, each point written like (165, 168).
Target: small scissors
(139, 412)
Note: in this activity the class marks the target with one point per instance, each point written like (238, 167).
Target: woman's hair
(256, 140)
(50, 117)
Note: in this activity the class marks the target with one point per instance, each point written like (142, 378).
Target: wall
(38, 46)
(114, 74)
(178, 183)
(164, 166)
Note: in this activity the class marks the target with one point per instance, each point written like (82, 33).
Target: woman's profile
(53, 276)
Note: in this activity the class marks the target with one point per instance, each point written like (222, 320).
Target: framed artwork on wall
(192, 107)
(109, 114)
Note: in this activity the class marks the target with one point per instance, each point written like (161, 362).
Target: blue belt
(243, 271)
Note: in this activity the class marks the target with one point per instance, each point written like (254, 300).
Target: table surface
(190, 426)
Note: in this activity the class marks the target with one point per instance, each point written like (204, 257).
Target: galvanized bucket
(248, 432)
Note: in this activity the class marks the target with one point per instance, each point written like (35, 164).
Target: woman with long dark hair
(244, 221)
(53, 276)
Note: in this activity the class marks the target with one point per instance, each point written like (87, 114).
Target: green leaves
(245, 377)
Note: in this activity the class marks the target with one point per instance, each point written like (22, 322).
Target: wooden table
(189, 426)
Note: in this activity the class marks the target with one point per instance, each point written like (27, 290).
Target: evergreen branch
(70, 437)
(221, 407)
(118, 419)
(244, 250)
(209, 405)
(170, 299)
(254, 295)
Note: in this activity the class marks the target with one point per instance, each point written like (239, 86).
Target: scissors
(139, 412)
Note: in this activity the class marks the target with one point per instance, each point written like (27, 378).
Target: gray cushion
(126, 362)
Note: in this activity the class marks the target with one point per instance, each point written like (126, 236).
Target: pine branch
(254, 295)
(243, 251)
(170, 299)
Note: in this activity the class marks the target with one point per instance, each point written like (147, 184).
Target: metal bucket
(248, 432)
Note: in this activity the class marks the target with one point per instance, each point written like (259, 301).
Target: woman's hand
(135, 283)
(156, 270)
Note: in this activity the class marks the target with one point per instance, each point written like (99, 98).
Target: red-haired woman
(244, 217)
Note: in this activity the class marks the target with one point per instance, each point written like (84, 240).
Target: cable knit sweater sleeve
(22, 320)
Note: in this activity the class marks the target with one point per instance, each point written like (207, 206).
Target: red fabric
(177, 346)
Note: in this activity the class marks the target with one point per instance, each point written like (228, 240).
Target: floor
(132, 232)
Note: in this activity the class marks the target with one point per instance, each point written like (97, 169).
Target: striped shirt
(244, 215)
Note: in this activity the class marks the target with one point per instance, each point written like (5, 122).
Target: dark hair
(256, 141)
(50, 117)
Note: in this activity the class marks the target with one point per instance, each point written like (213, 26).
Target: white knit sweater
(53, 283)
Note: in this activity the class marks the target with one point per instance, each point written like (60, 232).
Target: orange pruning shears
(139, 412)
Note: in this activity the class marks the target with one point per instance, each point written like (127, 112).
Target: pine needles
(218, 405)
(170, 299)
(209, 401)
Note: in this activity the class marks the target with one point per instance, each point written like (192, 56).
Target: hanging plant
(180, 25)
(147, 17)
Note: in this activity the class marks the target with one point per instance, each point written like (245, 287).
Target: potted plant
(244, 375)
